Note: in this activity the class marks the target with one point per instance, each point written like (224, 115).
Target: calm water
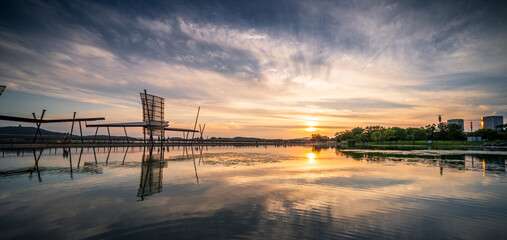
(253, 193)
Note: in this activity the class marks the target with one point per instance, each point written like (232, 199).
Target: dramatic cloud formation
(259, 68)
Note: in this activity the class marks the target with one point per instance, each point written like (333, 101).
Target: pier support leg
(195, 125)
(125, 130)
(95, 137)
(81, 132)
(39, 123)
(72, 127)
(95, 156)
(124, 156)
(108, 153)
(109, 135)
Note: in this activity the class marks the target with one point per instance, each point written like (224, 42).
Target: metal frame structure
(153, 115)
(153, 123)
(2, 88)
(38, 122)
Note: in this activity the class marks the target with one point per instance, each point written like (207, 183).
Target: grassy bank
(425, 143)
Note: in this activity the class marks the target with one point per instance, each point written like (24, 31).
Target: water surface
(252, 193)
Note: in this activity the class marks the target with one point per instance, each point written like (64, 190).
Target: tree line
(442, 131)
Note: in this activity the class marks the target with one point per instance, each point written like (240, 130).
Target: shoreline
(170, 144)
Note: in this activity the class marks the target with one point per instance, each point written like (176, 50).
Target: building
(459, 122)
(492, 122)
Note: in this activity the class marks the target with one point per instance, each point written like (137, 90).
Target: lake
(252, 193)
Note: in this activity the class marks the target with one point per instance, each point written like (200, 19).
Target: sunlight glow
(311, 129)
(311, 123)
(311, 158)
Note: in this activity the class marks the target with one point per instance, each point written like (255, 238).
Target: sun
(310, 129)
(311, 125)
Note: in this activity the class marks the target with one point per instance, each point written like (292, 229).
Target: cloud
(155, 25)
(264, 63)
(358, 104)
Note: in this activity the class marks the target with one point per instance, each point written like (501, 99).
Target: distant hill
(26, 131)
(302, 139)
(26, 134)
(248, 139)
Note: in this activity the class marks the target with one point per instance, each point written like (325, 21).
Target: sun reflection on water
(311, 158)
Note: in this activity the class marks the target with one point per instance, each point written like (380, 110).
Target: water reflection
(151, 173)
(36, 165)
(311, 158)
(152, 167)
(456, 160)
(251, 193)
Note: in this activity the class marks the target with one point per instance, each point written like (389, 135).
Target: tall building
(492, 122)
(459, 122)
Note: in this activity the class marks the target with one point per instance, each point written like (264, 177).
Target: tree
(455, 132)
(377, 136)
(344, 135)
(401, 134)
(363, 137)
(319, 138)
(411, 138)
(418, 133)
(442, 132)
(487, 134)
(390, 135)
(370, 129)
(357, 130)
(431, 131)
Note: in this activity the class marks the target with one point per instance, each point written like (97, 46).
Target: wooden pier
(141, 144)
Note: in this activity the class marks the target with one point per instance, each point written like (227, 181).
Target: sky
(269, 69)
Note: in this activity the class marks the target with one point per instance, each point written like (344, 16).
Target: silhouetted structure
(153, 123)
(39, 121)
(440, 117)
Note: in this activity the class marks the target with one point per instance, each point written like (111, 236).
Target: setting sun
(311, 129)
(311, 125)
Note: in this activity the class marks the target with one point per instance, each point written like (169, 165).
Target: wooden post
(108, 153)
(95, 137)
(95, 156)
(109, 134)
(39, 123)
(79, 161)
(72, 128)
(125, 130)
(124, 156)
(195, 124)
(81, 132)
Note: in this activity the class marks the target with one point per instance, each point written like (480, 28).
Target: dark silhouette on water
(151, 173)
(36, 165)
(39, 121)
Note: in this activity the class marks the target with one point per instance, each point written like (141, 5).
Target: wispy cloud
(264, 64)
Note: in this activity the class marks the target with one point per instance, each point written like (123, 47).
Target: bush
(351, 142)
